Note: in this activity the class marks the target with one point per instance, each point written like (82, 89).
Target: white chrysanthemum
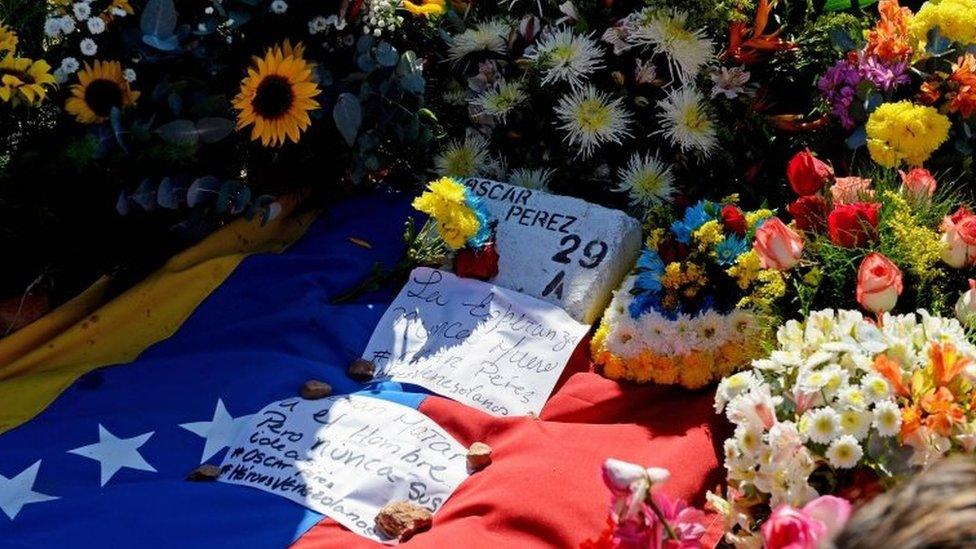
(279, 7)
(81, 10)
(67, 24)
(95, 25)
(565, 56)
(685, 121)
(318, 24)
(70, 65)
(591, 118)
(822, 425)
(845, 452)
(852, 398)
(531, 179)
(733, 386)
(500, 99)
(646, 180)
(875, 388)
(88, 47)
(466, 158)
(712, 330)
(749, 440)
(687, 50)
(52, 27)
(624, 340)
(129, 75)
(491, 36)
(887, 418)
(856, 423)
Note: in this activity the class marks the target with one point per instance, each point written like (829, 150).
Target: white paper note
(489, 347)
(346, 457)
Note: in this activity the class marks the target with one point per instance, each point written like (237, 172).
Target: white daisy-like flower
(591, 118)
(852, 398)
(733, 386)
(95, 25)
(129, 75)
(624, 341)
(646, 180)
(466, 158)
(318, 24)
(749, 439)
(875, 387)
(491, 36)
(52, 27)
(531, 179)
(565, 56)
(70, 65)
(88, 47)
(856, 423)
(887, 418)
(845, 452)
(822, 424)
(278, 6)
(686, 49)
(81, 10)
(685, 121)
(500, 99)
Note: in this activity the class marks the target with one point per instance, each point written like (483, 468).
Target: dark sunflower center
(273, 97)
(101, 95)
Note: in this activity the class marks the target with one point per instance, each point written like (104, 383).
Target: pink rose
(819, 521)
(959, 239)
(778, 246)
(878, 283)
(918, 182)
(848, 190)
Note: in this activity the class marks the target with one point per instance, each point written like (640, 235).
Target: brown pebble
(361, 370)
(402, 520)
(479, 456)
(314, 389)
(204, 473)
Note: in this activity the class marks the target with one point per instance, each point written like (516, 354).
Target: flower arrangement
(694, 308)
(840, 396)
(642, 516)
(905, 89)
(894, 241)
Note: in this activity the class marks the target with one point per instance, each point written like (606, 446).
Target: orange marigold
(889, 38)
(963, 79)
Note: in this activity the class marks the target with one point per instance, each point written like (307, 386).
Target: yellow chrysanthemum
(8, 39)
(696, 370)
(444, 200)
(903, 132)
(100, 88)
(425, 8)
(24, 81)
(956, 20)
(746, 269)
(276, 96)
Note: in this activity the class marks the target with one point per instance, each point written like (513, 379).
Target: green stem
(660, 516)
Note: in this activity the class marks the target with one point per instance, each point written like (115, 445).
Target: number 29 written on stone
(594, 252)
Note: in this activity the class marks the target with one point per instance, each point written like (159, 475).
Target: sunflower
(8, 38)
(24, 80)
(100, 88)
(276, 95)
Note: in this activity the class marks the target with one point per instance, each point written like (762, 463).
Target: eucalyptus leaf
(168, 194)
(158, 19)
(182, 132)
(857, 139)
(387, 55)
(122, 203)
(201, 190)
(212, 129)
(145, 196)
(348, 116)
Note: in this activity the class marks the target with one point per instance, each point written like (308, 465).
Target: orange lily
(911, 420)
(751, 46)
(946, 363)
(942, 410)
(891, 370)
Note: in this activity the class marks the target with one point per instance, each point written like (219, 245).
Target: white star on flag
(17, 492)
(114, 453)
(219, 432)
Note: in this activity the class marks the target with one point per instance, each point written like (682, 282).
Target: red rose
(810, 213)
(480, 264)
(733, 220)
(807, 175)
(854, 225)
(960, 214)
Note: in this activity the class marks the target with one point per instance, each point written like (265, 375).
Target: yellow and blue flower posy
(461, 216)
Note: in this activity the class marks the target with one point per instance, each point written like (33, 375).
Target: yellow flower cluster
(921, 246)
(903, 132)
(746, 269)
(693, 370)
(709, 235)
(654, 238)
(770, 286)
(755, 216)
(956, 20)
(426, 8)
(444, 200)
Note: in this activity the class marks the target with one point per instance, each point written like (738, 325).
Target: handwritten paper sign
(486, 346)
(557, 248)
(346, 457)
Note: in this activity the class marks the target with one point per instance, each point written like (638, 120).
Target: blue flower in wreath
(695, 216)
(650, 267)
(477, 205)
(730, 248)
(643, 303)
